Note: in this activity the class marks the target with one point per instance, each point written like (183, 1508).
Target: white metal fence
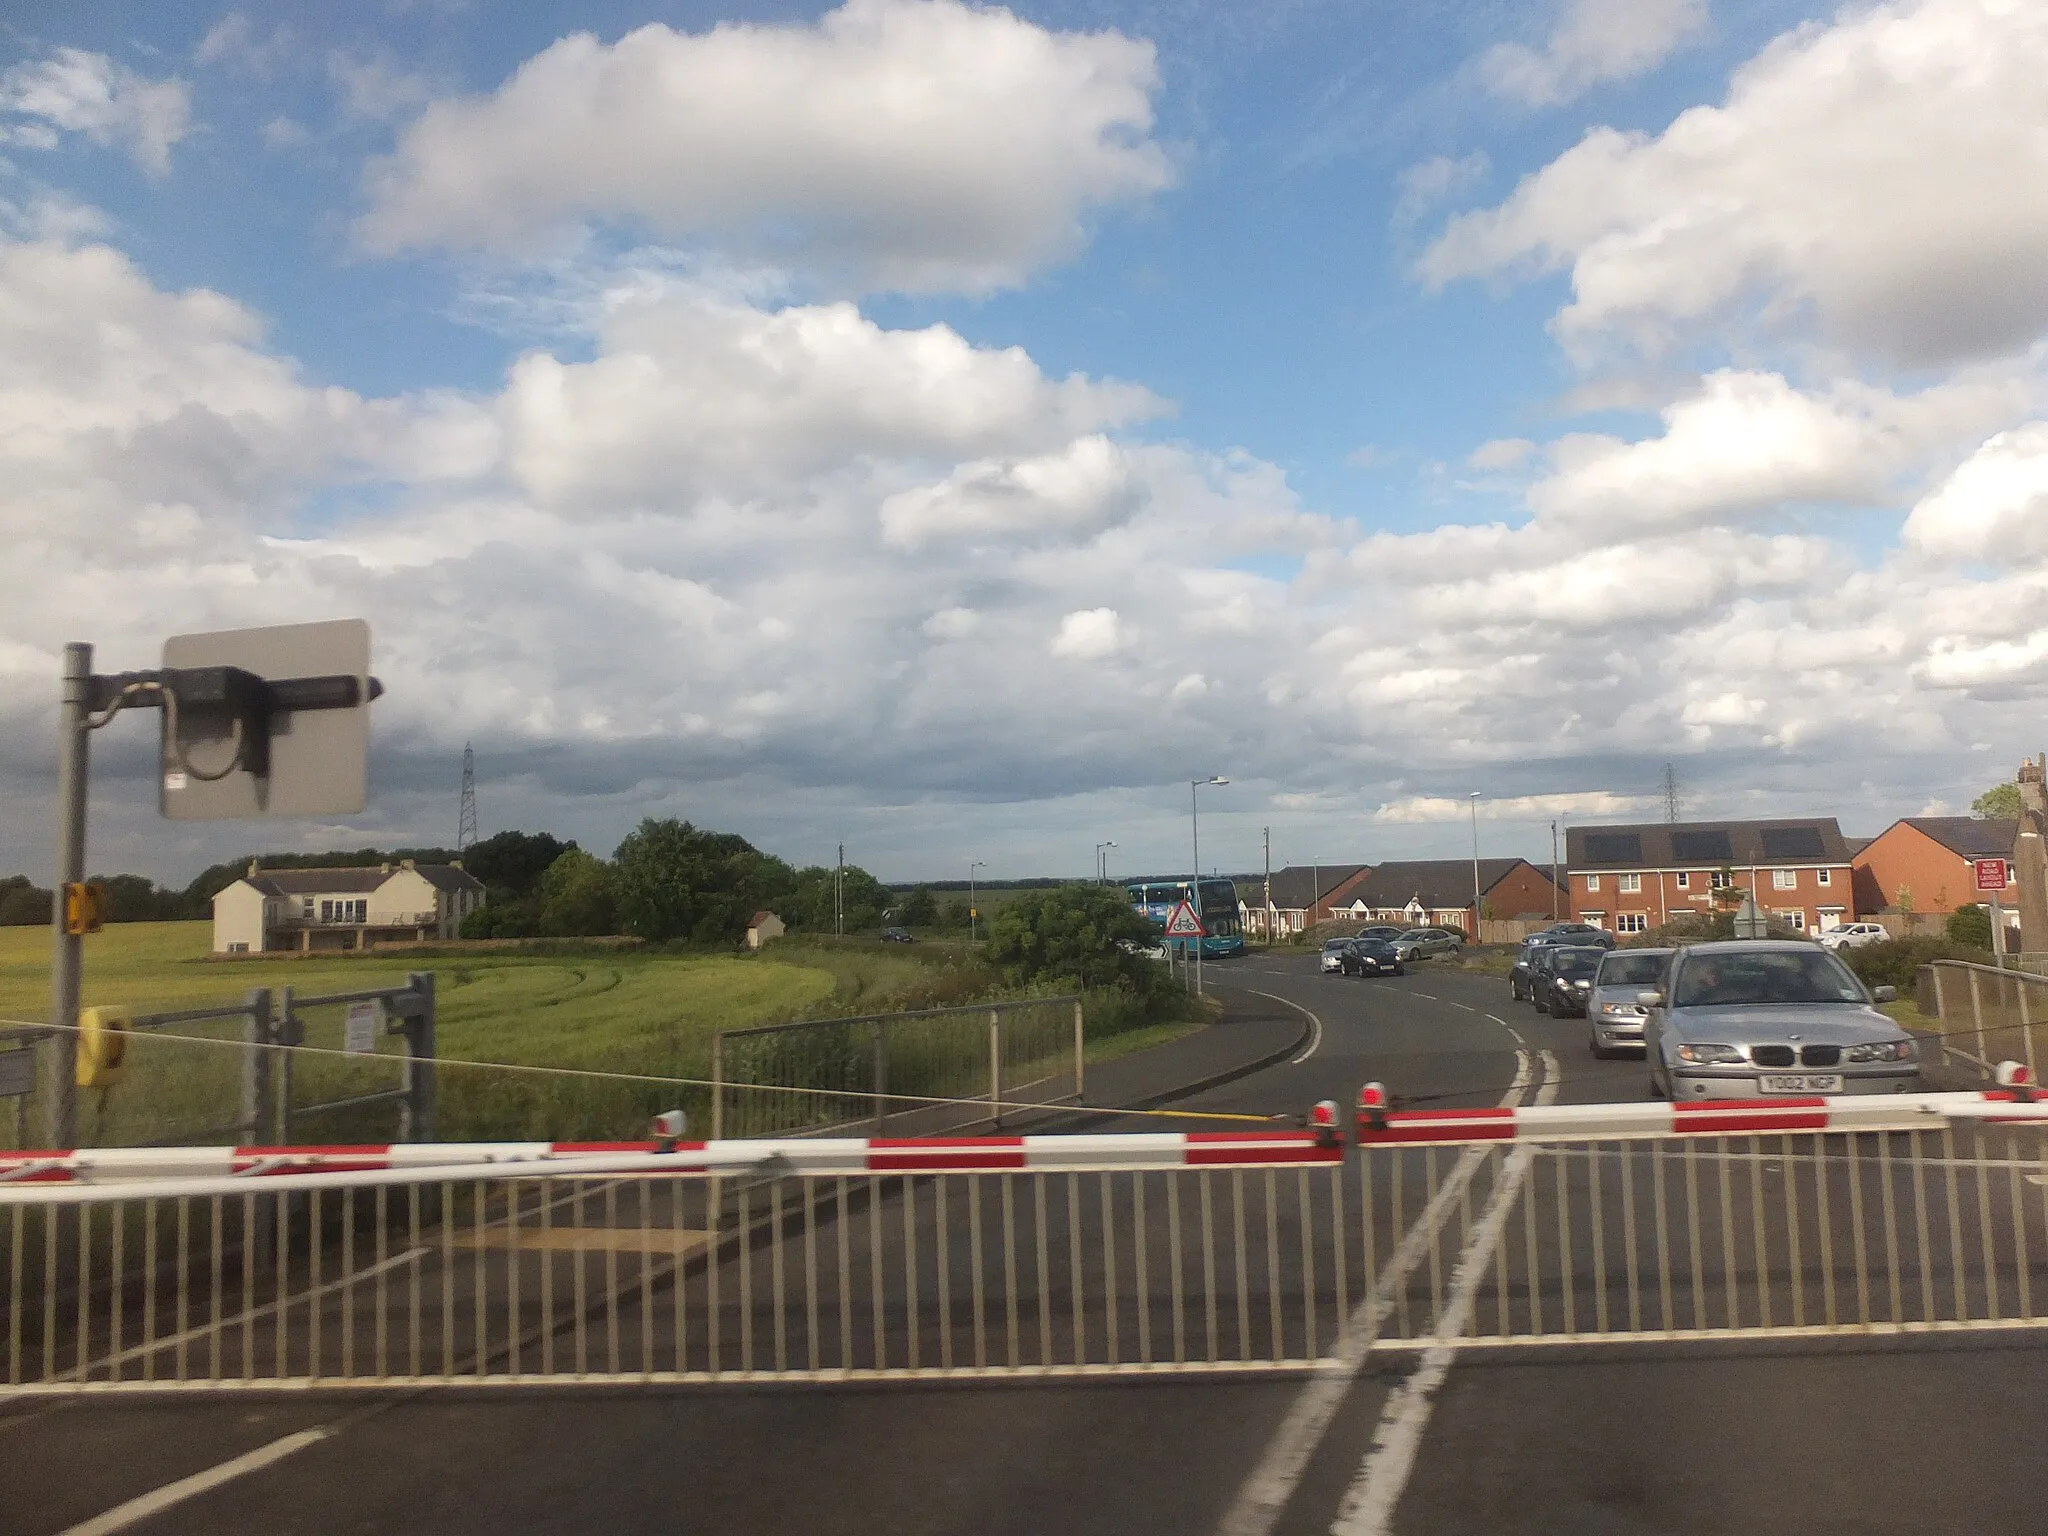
(824, 1259)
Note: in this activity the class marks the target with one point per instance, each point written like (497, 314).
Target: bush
(1897, 962)
(1970, 925)
(1069, 936)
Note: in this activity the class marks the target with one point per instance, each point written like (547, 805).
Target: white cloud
(1073, 494)
(1595, 40)
(1430, 183)
(908, 144)
(374, 86)
(1859, 179)
(235, 41)
(1500, 454)
(1993, 507)
(1089, 635)
(1597, 804)
(73, 91)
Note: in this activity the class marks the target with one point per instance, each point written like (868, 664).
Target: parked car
(1340, 957)
(1378, 957)
(1852, 936)
(1580, 933)
(1389, 932)
(1428, 943)
(1537, 975)
(1614, 1019)
(1754, 1018)
(1567, 981)
(898, 936)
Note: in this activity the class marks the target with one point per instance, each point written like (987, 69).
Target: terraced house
(1630, 879)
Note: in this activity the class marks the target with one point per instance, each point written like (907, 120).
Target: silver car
(1614, 1019)
(1423, 943)
(1751, 1019)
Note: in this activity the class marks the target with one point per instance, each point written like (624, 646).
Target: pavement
(1836, 1436)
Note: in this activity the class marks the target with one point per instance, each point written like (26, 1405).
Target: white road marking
(1315, 1038)
(155, 1502)
(1264, 1494)
(1368, 1507)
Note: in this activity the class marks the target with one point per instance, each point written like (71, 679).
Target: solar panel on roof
(1614, 848)
(1702, 847)
(1793, 843)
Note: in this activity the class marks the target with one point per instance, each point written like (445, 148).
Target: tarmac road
(1838, 1436)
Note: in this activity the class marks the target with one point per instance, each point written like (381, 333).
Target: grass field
(626, 1012)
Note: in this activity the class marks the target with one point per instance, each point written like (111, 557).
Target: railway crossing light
(85, 908)
(1323, 1121)
(669, 1127)
(102, 1046)
(2017, 1076)
(1373, 1104)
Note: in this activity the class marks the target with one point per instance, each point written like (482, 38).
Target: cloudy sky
(950, 429)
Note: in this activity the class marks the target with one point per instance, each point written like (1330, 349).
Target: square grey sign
(319, 758)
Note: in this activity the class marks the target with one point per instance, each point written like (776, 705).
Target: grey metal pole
(1195, 821)
(256, 1100)
(1474, 935)
(67, 952)
(417, 1120)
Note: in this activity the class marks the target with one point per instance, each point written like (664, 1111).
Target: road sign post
(1991, 880)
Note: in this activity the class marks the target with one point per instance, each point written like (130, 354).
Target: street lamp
(1102, 863)
(971, 868)
(1475, 866)
(1195, 821)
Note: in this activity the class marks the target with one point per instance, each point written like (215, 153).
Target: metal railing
(187, 1080)
(1989, 1014)
(821, 1259)
(884, 1069)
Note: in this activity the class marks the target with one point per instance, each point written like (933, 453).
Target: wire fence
(883, 1070)
(1988, 1014)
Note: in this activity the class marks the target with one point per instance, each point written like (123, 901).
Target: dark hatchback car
(1518, 975)
(1567, 981)
(898, 936)
(1377, 957)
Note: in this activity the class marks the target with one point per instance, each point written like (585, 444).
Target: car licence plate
(1800, 1082)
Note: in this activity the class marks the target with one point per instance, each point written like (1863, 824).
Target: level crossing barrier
(850, 1259)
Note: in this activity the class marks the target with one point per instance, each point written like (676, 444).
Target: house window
(1721, 879)
(1823, 877)
(238, 947)
(1793, 918)
(1592, 882)
(1784, 879)
(1684, 879)
(1628, 884)
(326, 911)
(1631, 922)
(2008, 871)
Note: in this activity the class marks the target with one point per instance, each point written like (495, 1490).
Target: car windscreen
(1375, 947)
(1631, 970)
(1739, 977)
(1573, 964)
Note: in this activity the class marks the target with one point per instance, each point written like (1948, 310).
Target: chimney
(402, 864)
(2033, 783)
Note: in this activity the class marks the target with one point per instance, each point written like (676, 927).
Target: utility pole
(1267, 921)
(971, 868)
(1475, 866)
(60, 1061)
(839, 894)
(1553, 869)
(1670, 794)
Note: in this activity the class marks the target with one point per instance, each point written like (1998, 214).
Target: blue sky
(950, 429)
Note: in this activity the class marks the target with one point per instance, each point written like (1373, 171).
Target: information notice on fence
(360, 1033)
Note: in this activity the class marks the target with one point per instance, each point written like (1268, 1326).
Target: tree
(23, 903)
(920, 909)
(578, 896)
(1970, 925)
(1070, 935)
(512, 863)
(676, 880)
(2001, 802)
(809, 901)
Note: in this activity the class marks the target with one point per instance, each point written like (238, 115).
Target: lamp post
(1102, 863)
(1195, 822)
(1475, 866)
(971, 868)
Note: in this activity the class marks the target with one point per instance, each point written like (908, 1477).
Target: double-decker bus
(1224, 932)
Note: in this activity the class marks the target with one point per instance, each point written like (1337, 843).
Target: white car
(1853, 936)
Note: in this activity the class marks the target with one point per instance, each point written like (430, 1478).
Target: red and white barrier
(1377, 1126)
(237, 1168)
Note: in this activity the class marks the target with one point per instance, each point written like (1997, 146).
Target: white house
(762, 927)
(324, 909)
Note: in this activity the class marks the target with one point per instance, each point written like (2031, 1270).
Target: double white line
(1368, 1505)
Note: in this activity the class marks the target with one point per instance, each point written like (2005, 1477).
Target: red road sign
(1184, 924)
(1991, 874)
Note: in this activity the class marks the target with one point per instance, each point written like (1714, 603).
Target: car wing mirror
(1886, 994)
(1650, 999)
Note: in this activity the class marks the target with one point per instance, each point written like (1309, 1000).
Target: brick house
(1438, 892)
(1929, 864)
(1303, 895)
(1633, 878)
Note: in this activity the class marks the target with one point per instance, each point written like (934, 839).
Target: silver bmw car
(1752, 1019)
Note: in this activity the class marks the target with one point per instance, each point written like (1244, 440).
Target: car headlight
(1710, 1055)
(1884, 1050)
(1582, 984)
(1622, 1010)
